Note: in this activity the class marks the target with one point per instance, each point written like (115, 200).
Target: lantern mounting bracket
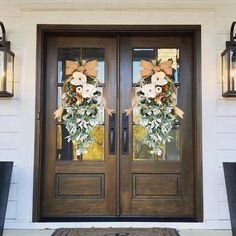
(232, 42)
(3, 42)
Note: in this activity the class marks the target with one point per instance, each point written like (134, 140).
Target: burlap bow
(89, 68)
(149, 69)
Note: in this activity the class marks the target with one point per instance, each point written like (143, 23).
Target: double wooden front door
(118, 176)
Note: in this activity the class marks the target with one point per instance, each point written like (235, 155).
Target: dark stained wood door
(163, 186)
(77, 186)
(131, 182)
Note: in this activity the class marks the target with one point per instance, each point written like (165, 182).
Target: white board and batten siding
(17, 114)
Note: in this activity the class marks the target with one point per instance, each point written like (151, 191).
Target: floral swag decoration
(83, 103)
(154, 101)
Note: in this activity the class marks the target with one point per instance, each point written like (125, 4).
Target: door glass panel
(165, 54)
(66, 150)
(141, 151)
(99, 55)
(59, 94)
(64, 54)
(138, 54)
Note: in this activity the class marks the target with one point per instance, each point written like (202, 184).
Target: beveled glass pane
(64, 54)
(165, 54)
(59, 94)
(233, 69)
(2, 72)
(138, 54)
(141, 151)
(64, 148)
(10, 73)
(99, 55)
(95, 151)
(224, 72)
(171, 149)
(177, 95)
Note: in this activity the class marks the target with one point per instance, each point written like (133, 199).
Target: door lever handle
(125, 134)
(112, 134)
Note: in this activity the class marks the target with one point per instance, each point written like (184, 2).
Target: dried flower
(149, 90)
(88, 90)
(79, 78)
(159, 78)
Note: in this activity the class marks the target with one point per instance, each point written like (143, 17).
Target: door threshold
(119, 219)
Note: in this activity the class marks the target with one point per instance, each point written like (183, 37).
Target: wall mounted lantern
(6, 66)
(228, 57)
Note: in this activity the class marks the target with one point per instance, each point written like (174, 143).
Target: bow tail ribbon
(107, 109)
(134, 100)
(58, 113)
(178, 112)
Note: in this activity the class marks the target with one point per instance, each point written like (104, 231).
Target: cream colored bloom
(88, 90)
(159, 78)
(79, 78)
(149, 90)
(158, 89)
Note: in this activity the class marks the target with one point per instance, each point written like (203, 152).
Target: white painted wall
(17, 114)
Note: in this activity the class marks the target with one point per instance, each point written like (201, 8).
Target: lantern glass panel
(232, 70)
(225, 72)
(2, 71)
(10, 73)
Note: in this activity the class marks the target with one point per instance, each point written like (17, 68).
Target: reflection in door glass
(66, 150)
(141, 151)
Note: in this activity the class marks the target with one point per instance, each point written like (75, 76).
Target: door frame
(43, 31)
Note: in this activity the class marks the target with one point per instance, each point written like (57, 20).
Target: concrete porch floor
(182, 232)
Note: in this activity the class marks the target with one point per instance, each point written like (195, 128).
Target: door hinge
(38, 115)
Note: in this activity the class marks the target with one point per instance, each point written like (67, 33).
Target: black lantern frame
(6, 66)
(228, 66)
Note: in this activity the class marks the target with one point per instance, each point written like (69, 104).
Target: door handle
(112, 134)
(125, 134)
